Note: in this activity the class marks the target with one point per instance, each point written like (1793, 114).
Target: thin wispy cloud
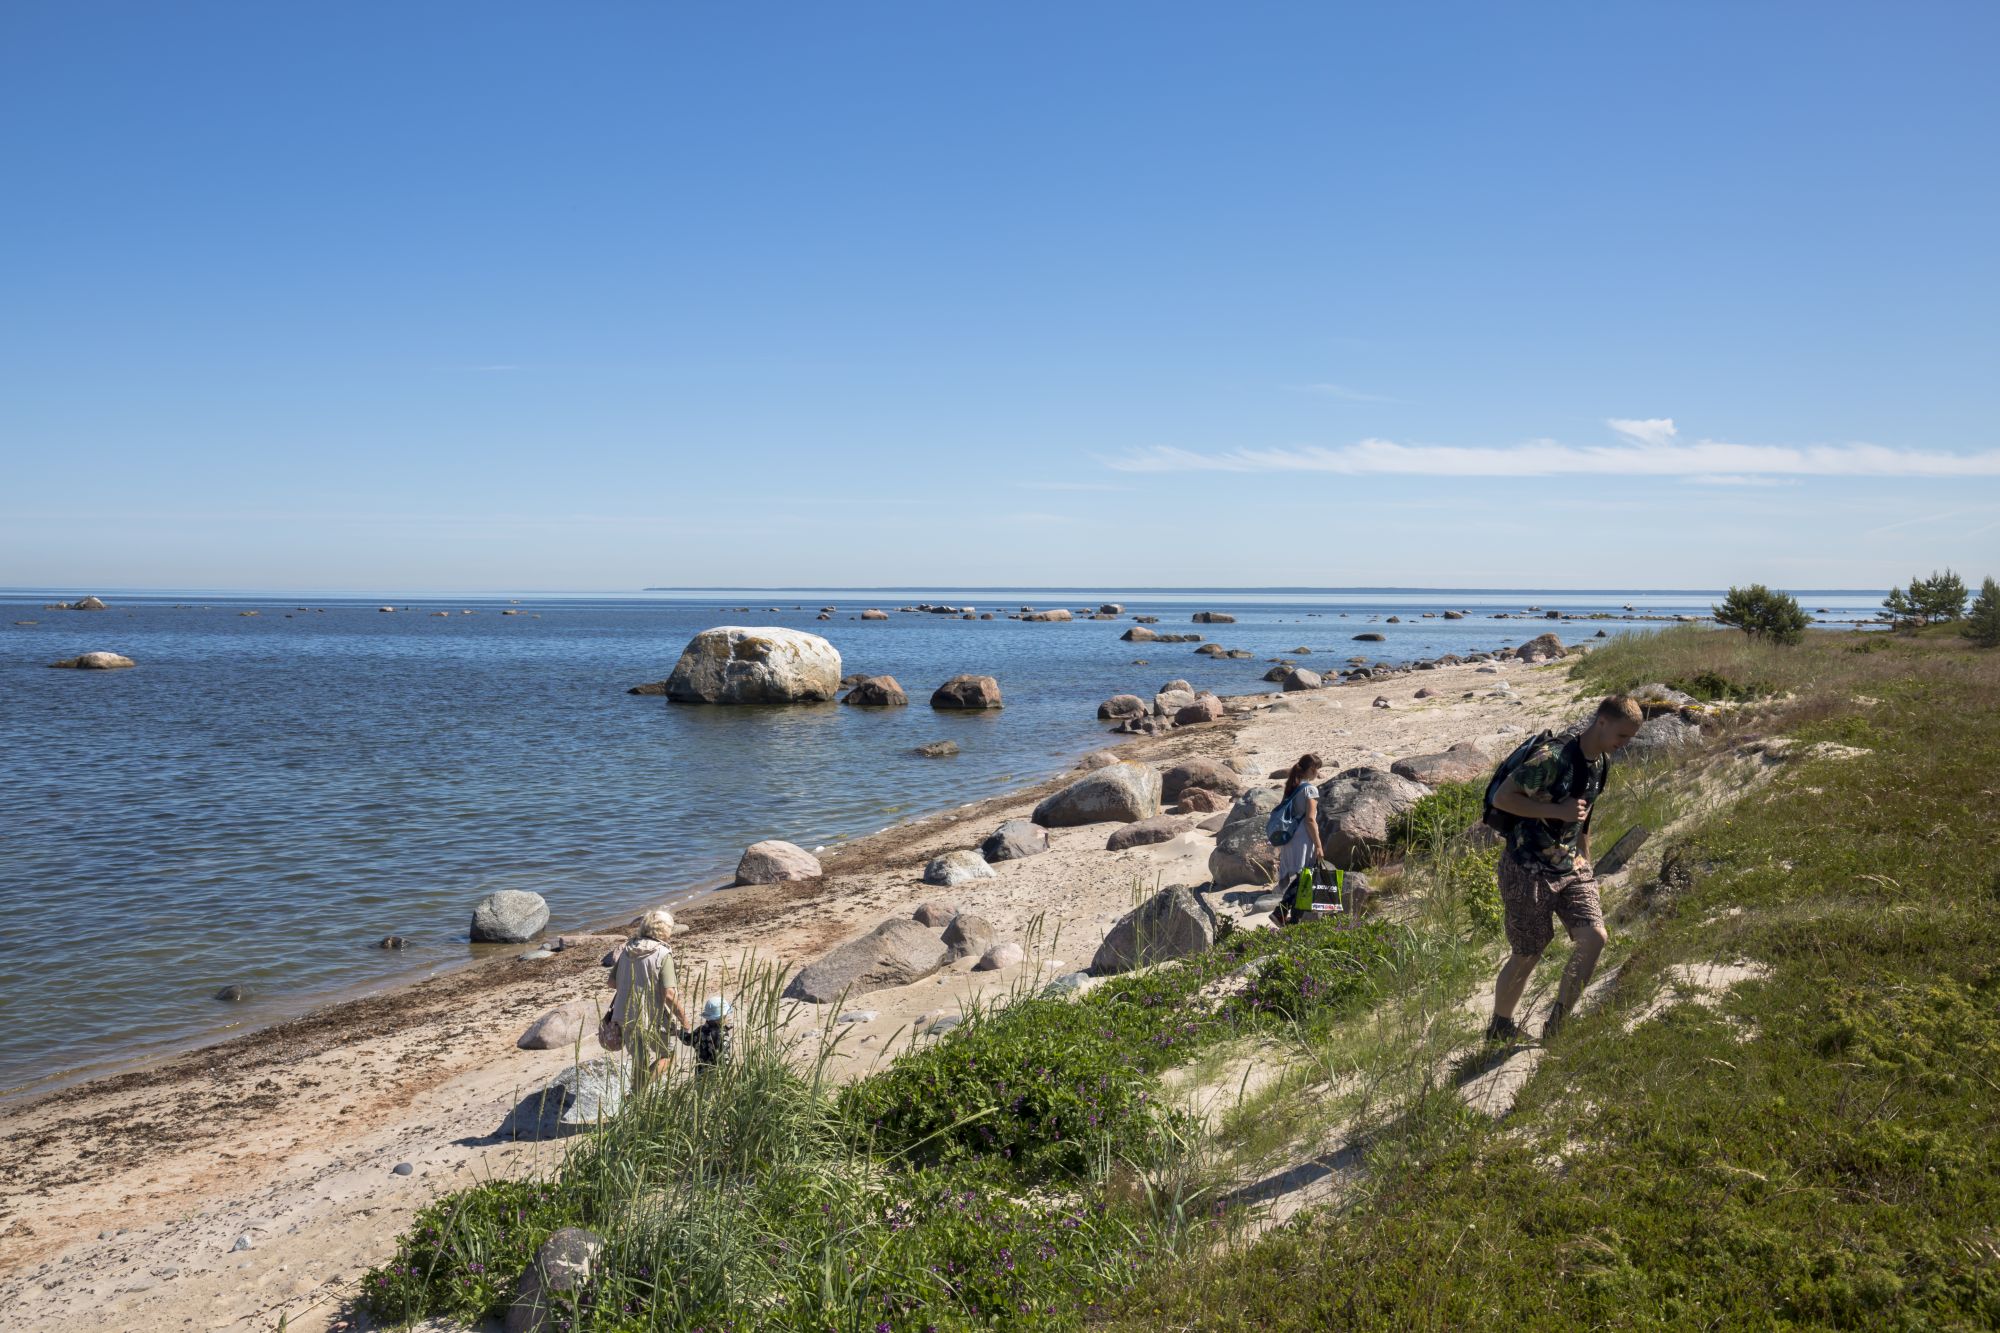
(1345, 394)
(1651, 448)
(1069, 486)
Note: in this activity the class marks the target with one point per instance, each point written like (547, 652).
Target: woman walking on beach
(646, 996)
(1304, 848)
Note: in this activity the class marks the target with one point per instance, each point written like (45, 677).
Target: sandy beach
(256, 1179)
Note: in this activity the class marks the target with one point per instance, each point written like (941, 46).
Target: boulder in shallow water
(1057, 614)
(1213, 618)
(938, 749)
(1014, 840)
(1370, 637)
(1172, 924)
(955, 868)
(1121, 706)
(967, 692)
(734, 664)
(895, 953)
(509, 916)
(1139, 634)
(1119, 792)
(876, 692)
(95, 662)
(773, 861)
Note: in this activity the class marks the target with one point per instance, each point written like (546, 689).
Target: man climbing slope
(1545, 873)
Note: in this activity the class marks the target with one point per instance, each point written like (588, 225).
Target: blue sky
(465, 296)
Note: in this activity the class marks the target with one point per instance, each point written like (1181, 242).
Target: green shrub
(1763, 613)
(1319, 967)
(1428, 828)
(462, 1254)
(1982, 626)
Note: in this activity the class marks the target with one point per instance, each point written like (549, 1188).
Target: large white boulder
(509, 916)
(761, 665)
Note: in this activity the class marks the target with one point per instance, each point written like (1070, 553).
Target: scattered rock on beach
(968, 936)
(1201, 801)
(1356, 810)
(1121, 706)
(773, 861)
(560, 1027)
(967, 692)
(1119, 792)
(1198, 772)
(895, 953)
(1168, 702)
(936, 915)
(1243, 855)
(1298, 678)
(1098, 759)
(1205, 708)
(1014, 840)
(509, 916)
(1006, 954)
(95, 662)
(1541, 648)
(876, 692)
(955, 868)
(1173, 923)
(1145, 832)
(732, 664)
(938, 749)
(1464, 762)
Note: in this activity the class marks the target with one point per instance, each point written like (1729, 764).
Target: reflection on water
(266, 797)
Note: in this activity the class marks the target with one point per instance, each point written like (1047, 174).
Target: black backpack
(1499, 820)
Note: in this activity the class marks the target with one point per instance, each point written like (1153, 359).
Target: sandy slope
(121, 1201)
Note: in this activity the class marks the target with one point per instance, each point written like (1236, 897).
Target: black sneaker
(1501, 1030)
(1554, 1022)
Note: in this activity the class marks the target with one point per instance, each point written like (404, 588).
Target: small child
(711, 1040)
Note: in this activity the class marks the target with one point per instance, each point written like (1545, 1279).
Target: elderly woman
(645, 997)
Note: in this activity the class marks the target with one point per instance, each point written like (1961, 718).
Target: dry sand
(123, 1202)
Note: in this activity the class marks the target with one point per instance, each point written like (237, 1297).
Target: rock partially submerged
(1121, 706)
(773, 861)
(95, 662)
(1213, 618)
(876, 692)
(762, 665)
(967, 692)
(938, 749)
(509, 916)
(895, 953)
(1172, 924)
(1120, 792)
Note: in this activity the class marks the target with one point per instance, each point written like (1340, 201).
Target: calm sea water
(267, 796)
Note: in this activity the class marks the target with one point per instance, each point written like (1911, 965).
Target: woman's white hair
(657, 924)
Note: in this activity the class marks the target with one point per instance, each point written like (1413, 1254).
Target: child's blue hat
(717, 1007)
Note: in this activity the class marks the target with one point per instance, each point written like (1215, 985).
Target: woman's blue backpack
(1285, 820)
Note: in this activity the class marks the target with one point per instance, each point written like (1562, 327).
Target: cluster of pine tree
(1765, 613)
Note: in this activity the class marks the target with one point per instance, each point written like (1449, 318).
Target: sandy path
(122, 1200)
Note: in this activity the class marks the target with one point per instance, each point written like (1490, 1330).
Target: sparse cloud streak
(1347, 395)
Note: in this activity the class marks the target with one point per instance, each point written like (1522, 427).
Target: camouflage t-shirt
(1549, 774)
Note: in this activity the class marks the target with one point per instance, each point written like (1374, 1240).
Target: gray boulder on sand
(967, 692)
(1168, 702)
(876, 692)
(1541, 648)
(1298, 678)
(591, 1090)
(1098, 759)
(1172, 924)
(1121, 706)
(1119, 792)
(1143, 832)
(1198, 772)
(1658, 735)
(96, 662)
(762, 665)
(934, 914)
(1356, 809)
(1463, 762)
(968, 936)
(1202, 801)
(1008, 954)
(560, 1027)
(1015, 840)
(509, 916)
(895, 953)
(1243, 855)
(955, 868)
(772, 861)
(1173, 685)
(1205, 708)
(555, 1282)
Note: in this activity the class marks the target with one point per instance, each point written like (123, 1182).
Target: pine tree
(1763, 614)
(1982, 626)
(1938, 598)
